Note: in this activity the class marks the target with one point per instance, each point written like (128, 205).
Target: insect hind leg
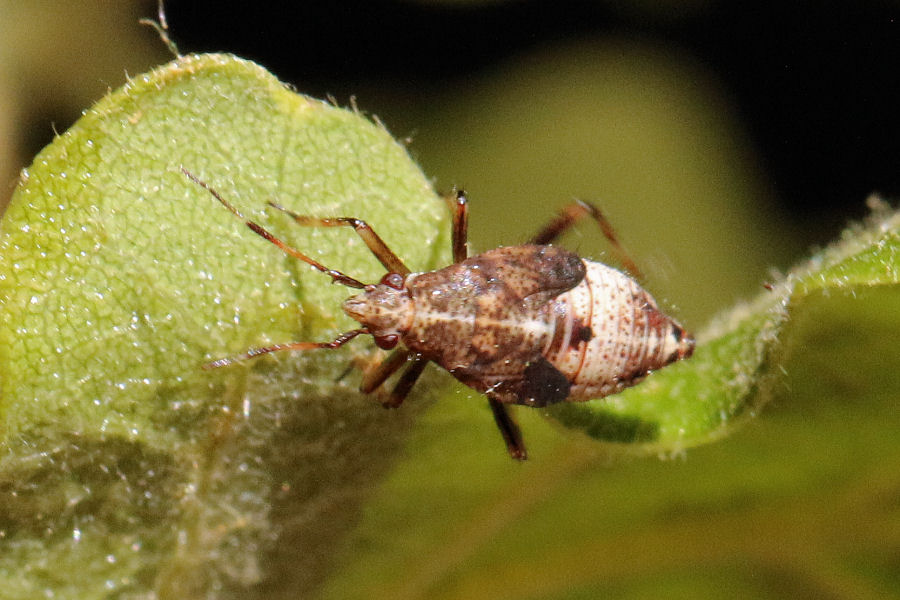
(574, 212)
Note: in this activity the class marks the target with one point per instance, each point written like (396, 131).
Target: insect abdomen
(577, 331)
(609, 334)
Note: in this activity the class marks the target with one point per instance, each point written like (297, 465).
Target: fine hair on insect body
(532, 325)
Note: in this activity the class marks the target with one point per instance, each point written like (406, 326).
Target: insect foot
(532, 325)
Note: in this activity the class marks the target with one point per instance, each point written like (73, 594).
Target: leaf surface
(127, 467)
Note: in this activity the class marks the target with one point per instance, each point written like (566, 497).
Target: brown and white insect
(532, 324)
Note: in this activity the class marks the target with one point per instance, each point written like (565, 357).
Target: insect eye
(386, 342)
(394, 280)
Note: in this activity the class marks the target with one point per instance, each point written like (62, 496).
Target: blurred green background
(721, 139)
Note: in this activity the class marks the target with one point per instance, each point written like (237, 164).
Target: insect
(532, 325)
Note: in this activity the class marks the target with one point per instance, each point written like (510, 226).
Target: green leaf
(128, 470)
(126, 467)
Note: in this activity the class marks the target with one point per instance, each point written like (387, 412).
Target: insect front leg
(574, 212)
(262, 232)
(375, 376)
(372, 240)
(373, 379)
(406, 382)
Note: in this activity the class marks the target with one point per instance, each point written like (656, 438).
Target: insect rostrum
(532, 324)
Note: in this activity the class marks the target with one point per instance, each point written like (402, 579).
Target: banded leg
(284, 247)
(336, 343)
(573, 213)
(512, 435)
(374, 242)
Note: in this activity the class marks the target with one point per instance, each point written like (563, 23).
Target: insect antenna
(336, 343)
(259, 230)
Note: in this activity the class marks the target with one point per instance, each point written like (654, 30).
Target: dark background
(815, 83)
(722, 139)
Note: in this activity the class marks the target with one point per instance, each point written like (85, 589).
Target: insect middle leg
(574, 212)
(459, 205)
(510, 431)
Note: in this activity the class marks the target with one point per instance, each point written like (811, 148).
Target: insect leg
(460, 207)
(508, 428)
(336, 343)
(263, 233)
(375, 377)
(374, 242)
(574, 212)
(406, 382)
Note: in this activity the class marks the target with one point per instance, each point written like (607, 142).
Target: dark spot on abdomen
(580, 333)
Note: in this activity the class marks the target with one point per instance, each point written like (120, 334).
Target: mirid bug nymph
(532, 324)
